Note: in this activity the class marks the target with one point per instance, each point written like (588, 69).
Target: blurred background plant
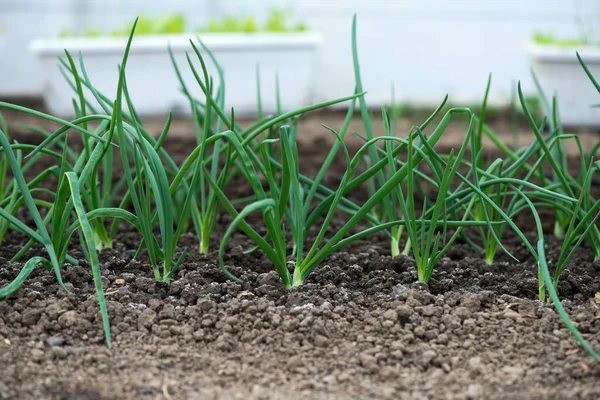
(278, 20)
(553, 39)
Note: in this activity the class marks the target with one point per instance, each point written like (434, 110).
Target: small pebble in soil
(60, 352)
(55, 341)
(145, 389)
(78, 351)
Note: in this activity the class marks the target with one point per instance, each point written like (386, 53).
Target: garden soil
(359, 328)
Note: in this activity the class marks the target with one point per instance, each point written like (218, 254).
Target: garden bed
(360, 327)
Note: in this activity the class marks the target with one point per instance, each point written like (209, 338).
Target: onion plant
(94, 197)
(499, 194)
(10, 198)
(564, 182)
(38, 233)
(559, 158)
(579, 225)
(590, 76)
(540, 254)
(388, 209)
(425, 241)
(283, 210)
(204, 214)
(477, 144)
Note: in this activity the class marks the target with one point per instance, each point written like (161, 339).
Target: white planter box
(559, 72)
(20, 22)
(152, 81)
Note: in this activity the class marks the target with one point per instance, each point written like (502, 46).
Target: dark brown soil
(360, 328)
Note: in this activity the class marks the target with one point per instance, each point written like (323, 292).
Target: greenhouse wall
(423, 48)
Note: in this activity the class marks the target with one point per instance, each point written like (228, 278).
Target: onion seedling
(427, 243)
(540, 255)
(477, 144)
(204, 214)
(284, 205)
(150, 193)
(579, 227)
(557, 156)
(499, 195)
(95, 197)
(388, 208)
(40, 235)
(425, 248)
(10, 199)
(90, 241)
(564, 183)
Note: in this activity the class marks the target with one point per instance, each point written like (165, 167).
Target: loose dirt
(360, 327)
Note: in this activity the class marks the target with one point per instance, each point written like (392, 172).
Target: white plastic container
(559, 72)
(20, 22)
(152, 81)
